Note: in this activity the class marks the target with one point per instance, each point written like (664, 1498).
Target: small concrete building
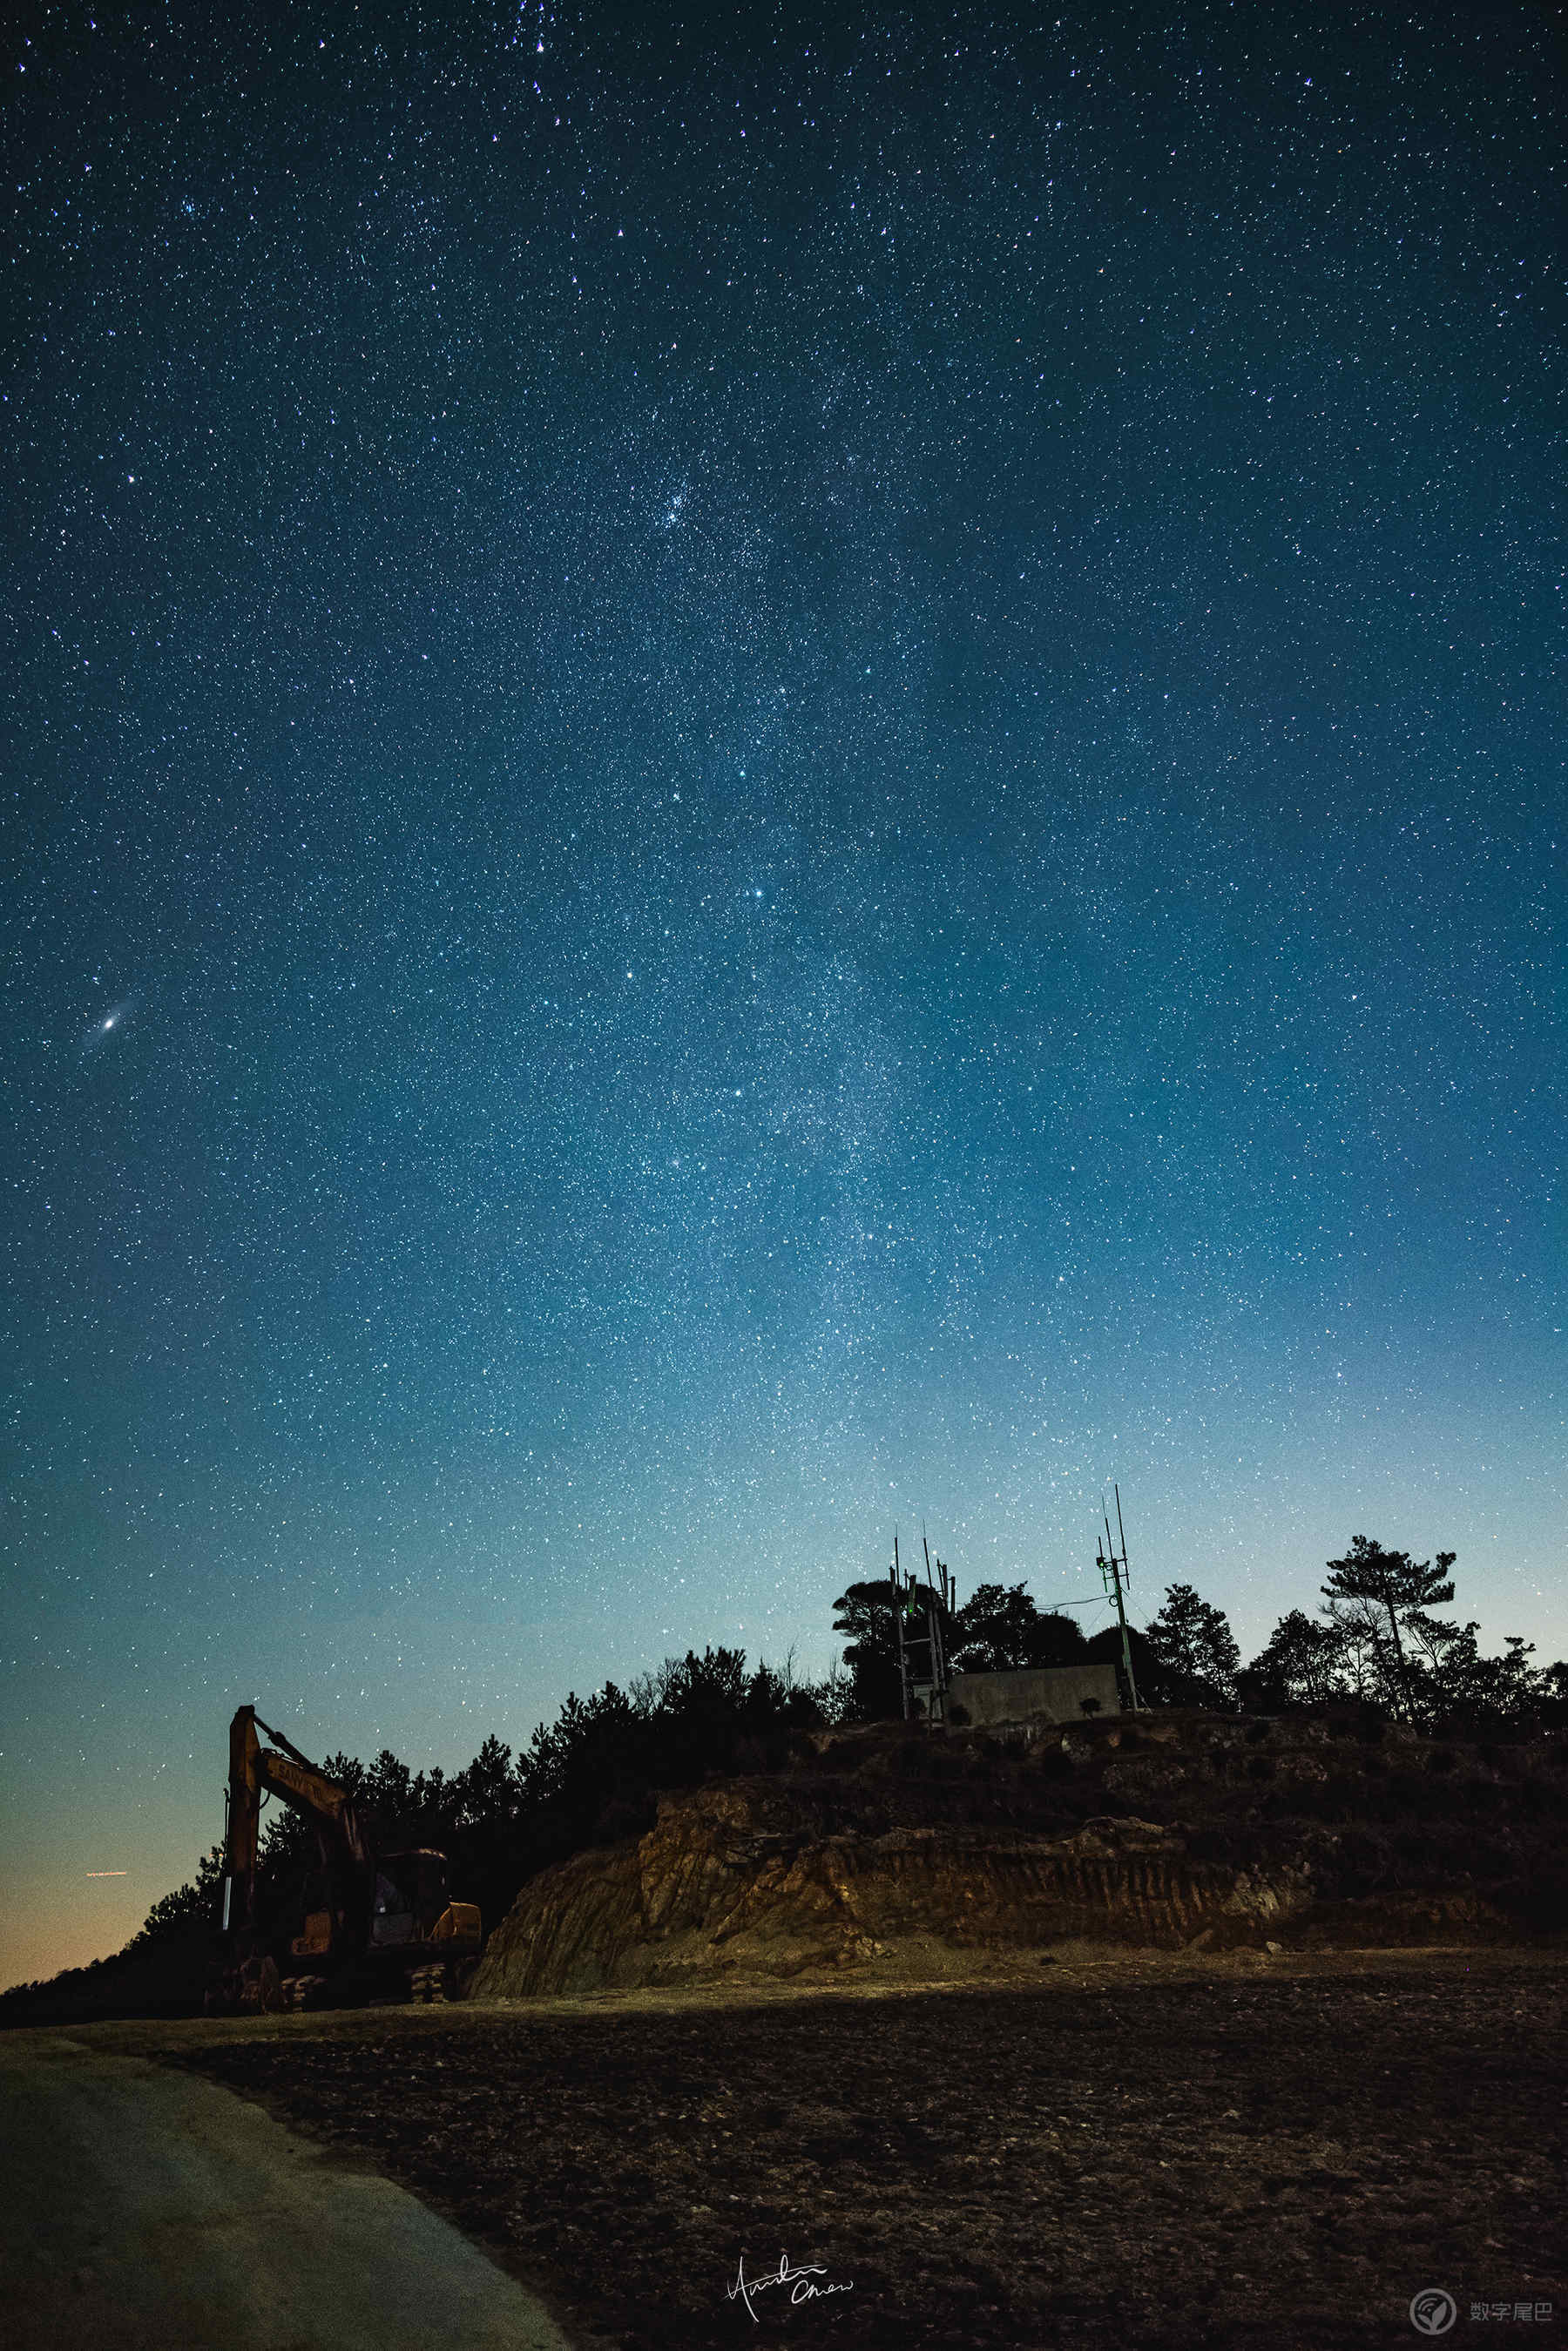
(1042, 1694)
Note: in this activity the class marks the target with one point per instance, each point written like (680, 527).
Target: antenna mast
(1114, 1573)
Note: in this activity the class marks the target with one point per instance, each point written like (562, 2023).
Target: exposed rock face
(739, 1878)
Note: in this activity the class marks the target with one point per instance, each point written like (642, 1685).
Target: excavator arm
(281, 1768)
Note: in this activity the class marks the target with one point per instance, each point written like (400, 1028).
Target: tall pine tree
(1375, 1592)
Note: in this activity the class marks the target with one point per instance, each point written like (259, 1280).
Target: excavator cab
(409, 1908)
(391, 1916)
(410, 1897)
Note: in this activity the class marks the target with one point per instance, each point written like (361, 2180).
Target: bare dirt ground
(1131, 2151)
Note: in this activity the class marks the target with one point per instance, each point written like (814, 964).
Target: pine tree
(1193, 1642)
(999, 1629)
(865, 1613)
(1372, 1596)
(1298, 1665)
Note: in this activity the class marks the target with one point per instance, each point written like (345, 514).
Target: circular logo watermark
(1433, 2312)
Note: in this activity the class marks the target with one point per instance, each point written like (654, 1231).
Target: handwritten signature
(801, 2280)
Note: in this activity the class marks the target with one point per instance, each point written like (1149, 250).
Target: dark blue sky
(763, 773)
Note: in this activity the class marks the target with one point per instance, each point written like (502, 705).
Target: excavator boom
(286, 1772)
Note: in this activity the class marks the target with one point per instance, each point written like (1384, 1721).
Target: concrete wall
(1046, 1694)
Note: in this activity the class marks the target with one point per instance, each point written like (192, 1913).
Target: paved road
(143, 2209)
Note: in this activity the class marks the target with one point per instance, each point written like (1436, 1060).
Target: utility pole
(1113, 1572)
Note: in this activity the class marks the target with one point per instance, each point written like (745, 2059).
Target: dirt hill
(880, 1851)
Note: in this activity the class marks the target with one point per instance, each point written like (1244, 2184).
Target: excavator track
(304, 1991)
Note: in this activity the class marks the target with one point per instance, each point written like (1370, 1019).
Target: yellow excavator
(384, 1928)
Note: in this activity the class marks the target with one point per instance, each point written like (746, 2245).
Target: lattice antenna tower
(918, 1614)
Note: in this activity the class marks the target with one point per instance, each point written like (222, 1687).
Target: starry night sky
(764, 774)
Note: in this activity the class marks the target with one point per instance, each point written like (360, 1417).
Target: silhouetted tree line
(592, 1776)
(589, 1778)
(1375, 1642)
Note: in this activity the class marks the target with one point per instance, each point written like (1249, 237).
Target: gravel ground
(1124, 2153)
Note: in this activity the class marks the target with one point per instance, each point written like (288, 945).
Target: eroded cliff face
(738, 1880)
(907, 1857)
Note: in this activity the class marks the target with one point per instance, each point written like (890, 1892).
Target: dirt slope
(1154, 1832)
